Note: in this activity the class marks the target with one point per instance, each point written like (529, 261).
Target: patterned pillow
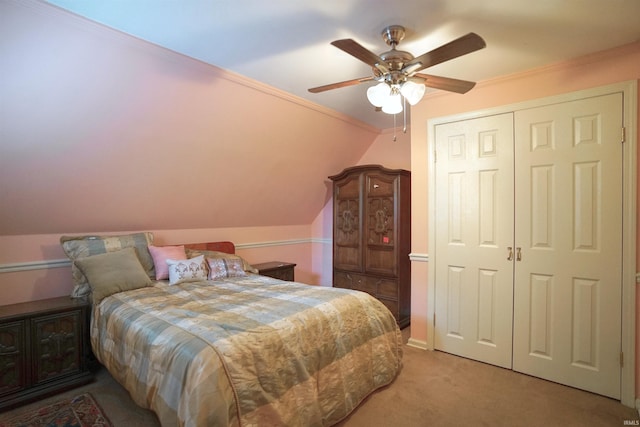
(220, 268)
(77, 247)
(216, 255)
(161, 254)
(187, 270)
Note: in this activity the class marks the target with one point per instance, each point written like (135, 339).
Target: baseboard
(422, 345)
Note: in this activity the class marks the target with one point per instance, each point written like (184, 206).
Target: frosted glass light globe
(378, 94)
(413, 92)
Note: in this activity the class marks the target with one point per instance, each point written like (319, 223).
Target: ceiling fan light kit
(397, 71)
(393, 103)
(413, 92)
(378, 94)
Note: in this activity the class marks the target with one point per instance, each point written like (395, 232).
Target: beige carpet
(433, 389)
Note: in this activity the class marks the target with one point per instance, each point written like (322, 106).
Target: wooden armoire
(372, 235)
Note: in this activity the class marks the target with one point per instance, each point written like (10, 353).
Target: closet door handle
(518, 254)
(509, 253)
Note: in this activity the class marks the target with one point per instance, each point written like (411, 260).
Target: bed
(243, 349)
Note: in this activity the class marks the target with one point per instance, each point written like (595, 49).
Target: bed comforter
(247, 351)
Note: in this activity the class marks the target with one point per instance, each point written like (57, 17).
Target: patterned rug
(79, 411)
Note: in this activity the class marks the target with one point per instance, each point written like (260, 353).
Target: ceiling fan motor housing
(395, 60)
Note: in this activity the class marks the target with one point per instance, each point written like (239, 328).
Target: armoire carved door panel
(347, 229)
(380, 227)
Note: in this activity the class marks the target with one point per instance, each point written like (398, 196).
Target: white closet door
(474, 228)
(567, 295)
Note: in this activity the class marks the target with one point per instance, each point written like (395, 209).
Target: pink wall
(105, 133)
(616, 65)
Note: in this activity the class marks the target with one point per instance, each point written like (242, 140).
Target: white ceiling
(286, 43)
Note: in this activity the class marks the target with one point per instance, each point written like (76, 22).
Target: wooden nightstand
(44, 349)
(277, 270)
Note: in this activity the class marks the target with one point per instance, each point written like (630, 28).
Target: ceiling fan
(397, 71)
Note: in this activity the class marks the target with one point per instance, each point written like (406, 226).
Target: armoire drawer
(392, 305)
(386, 288)
(355, 281)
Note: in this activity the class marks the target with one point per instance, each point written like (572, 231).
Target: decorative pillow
(161, 254)
(217, 255)
(187, 270)
(113, 272)
(77, 247)
(220, 268)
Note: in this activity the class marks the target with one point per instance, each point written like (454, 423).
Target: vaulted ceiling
(286, 43)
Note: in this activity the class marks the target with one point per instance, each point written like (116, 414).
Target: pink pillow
(160, 254)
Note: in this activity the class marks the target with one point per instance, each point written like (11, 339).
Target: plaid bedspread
(247, 351)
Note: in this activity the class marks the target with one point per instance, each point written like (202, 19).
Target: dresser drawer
(57, 346)
(13, 373)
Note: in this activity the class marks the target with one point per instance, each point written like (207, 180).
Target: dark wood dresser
(44, 349)
(372, 235)
(277, 270)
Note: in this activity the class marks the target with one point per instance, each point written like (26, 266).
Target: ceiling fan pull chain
(394, 128)
(404, 111)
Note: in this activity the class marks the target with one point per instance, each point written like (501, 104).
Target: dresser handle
(509, 253)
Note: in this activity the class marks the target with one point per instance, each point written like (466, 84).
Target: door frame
(629, 91)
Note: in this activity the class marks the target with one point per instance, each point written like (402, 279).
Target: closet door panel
(474, 217)
(568, 284)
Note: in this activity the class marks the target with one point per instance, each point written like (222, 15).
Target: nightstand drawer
(277, 270)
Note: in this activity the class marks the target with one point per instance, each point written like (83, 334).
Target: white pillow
(187, 270)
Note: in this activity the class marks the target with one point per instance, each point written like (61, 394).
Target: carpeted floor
(433, 389)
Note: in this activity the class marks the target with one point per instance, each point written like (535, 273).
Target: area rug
(78, 411)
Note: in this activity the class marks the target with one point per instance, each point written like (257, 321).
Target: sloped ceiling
(286, 43)
(103, 131)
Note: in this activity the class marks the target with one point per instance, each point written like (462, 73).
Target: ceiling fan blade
(340, 84)
(356, 50)
(458, 47)
(446, 83)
